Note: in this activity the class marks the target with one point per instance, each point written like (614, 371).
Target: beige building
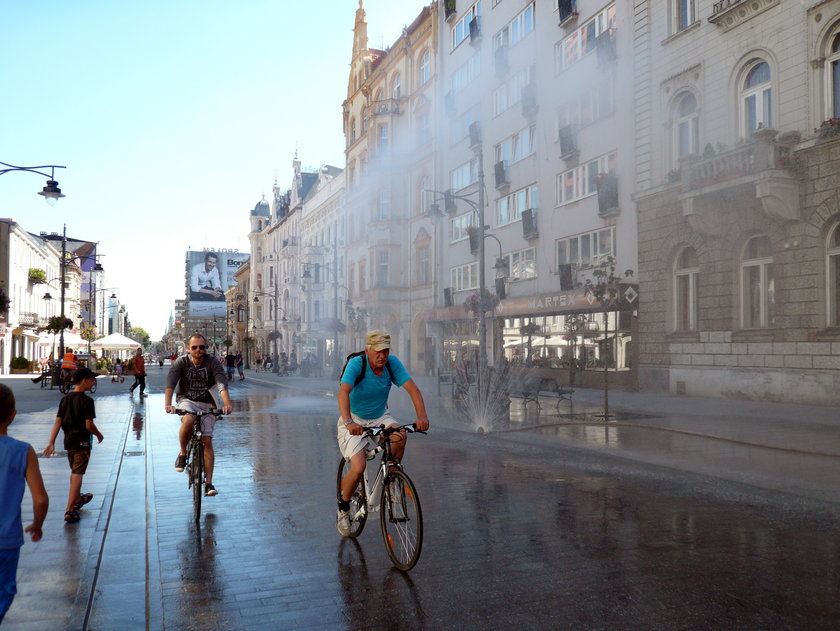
(390, 131)
(737, 192)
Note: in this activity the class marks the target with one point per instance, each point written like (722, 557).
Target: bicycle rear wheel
(401, 520)
(358, 501)
(197, 476)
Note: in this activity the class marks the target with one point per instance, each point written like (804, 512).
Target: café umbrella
(115, 342)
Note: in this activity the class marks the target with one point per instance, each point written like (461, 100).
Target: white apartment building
(535, 99)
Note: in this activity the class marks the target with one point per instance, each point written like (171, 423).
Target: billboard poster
(210, 276)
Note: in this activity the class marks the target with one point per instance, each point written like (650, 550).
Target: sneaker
(71, 517)
(180, 463)
(85, 498)
(210, 490)
(342, 522)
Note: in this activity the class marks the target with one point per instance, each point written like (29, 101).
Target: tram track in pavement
(115, 590)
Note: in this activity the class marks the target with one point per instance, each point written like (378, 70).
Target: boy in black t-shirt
(75, 417)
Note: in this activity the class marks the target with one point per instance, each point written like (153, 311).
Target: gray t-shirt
(195, 382)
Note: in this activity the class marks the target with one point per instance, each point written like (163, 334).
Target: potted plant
(479, 303)
(828, 128)
(37, 276)
(472, 233)
(19, 365)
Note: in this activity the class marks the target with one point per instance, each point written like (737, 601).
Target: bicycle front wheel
(402, 521)
(197, 476)
(358, 501)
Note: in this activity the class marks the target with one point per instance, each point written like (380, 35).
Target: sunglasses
(200, 347)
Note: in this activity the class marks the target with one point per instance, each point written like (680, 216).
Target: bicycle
(400, 516)
(65, 382)
(195, 458)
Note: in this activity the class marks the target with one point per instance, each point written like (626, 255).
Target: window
(516, 29)
(461, 30)
(522, 264)
(684, 14)
(510, 92)
(424, 266)
(686, 126)
(382, 261)
(362, 276)
(461, 125)
(757, 286)
(686, 270)
(833, 87)
(509, 208)
(382, 138)
(833, 277)
(424, 68)
(396, 86)
(755, 98)
(579, 182)
(426, 195)
(464, 175)
(352, 130)
(586, 248)
(424, 128)
(517, 147)
(573, 48)
(464, 277)
(383, 205)
(591, 106)
(466, 74)
(459, 226)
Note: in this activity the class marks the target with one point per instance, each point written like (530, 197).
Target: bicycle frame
(386, 463)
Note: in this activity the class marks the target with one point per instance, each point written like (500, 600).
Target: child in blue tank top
(18, 463)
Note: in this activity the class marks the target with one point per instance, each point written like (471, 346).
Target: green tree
(138, 334)
(605, 288)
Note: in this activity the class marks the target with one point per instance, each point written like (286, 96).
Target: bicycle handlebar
(387, 431)
(214, 411)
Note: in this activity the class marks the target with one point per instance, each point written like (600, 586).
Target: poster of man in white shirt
(205, 282)
(211, 275)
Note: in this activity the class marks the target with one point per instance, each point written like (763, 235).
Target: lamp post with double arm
(275, 333)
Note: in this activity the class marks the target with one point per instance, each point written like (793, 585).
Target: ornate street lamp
(50, 192)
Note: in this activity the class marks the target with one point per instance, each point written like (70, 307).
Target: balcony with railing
(29, 319)
(762, 168)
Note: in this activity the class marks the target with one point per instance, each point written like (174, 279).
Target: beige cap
(378, 340)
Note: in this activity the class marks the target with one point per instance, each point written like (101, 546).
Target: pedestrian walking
(18, 463)
(76, 412)
(230, 364)
(239, 365)
(138, 365)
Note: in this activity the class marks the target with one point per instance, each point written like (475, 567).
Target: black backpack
(364, 368)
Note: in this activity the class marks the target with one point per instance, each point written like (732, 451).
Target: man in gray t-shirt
(195, 376)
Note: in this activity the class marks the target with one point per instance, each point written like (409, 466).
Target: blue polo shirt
(369, 399)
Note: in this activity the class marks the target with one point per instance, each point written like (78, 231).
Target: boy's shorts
(8, 578)
(207, 422)
(78, 459)
(349, 445)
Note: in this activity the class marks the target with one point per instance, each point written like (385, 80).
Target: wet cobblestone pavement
(528, 534)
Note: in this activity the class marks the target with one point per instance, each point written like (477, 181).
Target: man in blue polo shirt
(363, 402)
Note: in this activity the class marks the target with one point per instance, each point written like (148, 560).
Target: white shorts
(207, 422)
(349, 445)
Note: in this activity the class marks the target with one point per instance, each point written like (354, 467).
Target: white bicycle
(393, 495)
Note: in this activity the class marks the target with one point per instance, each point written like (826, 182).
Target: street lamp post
(50, 192)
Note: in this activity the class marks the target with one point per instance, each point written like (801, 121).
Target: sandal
(71, 517)
(84, 499)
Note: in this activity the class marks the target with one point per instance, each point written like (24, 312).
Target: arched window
(758, 304)
(424, 69)
(686, 127)
(686, 271)
(832, 254)
(396, 86)
(756, 98)
(833, 63)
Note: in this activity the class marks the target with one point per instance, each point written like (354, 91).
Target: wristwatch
(347, 422)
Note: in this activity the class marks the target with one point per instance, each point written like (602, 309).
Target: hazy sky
(172, 117)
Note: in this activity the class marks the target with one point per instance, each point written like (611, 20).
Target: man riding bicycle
(195, 376)
(362, 403)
